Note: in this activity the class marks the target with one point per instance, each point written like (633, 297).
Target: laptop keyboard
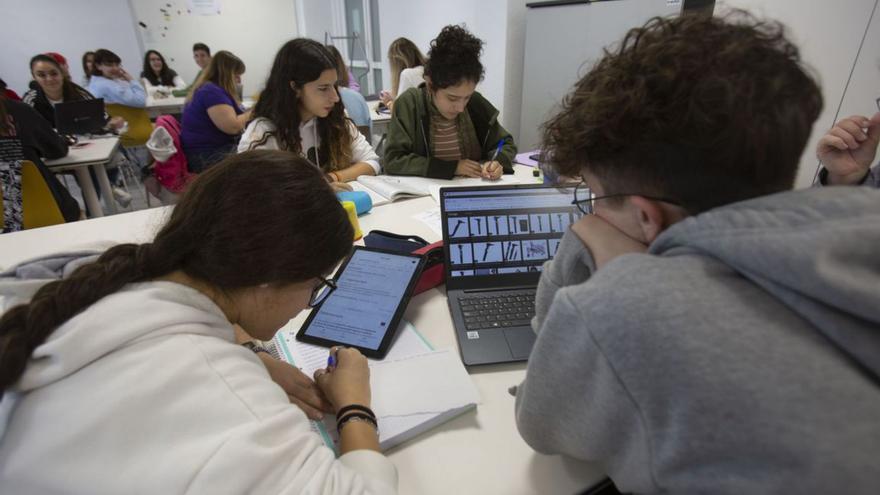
(511, 309)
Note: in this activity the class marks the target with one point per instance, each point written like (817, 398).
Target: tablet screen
(369, 291)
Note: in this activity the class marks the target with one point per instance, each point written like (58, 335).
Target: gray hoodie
(741, 354)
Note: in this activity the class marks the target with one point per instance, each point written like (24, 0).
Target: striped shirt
(445, 139)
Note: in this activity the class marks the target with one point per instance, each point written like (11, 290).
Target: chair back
(139, 125)
(39, 207)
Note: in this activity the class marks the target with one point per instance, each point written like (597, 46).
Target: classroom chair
(139, 130)
(38, 205)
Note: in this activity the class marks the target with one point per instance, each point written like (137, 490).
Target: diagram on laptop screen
(513, 233)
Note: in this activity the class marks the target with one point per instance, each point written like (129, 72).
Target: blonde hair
(402, 54)
(221, 71)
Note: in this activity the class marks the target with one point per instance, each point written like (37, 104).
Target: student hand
(300, 389)
(605, 241)
(349, 381)
(385, 97)
(340, 187)
(125, 75)
(847, 151)
(469, 168)
(492, 170)
(116, 123)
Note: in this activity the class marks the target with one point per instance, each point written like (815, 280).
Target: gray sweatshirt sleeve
(572, 401)
(573, 264)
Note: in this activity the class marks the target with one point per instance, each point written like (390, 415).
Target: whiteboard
(253, 31)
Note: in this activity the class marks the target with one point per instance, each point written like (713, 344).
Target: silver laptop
(496, 240)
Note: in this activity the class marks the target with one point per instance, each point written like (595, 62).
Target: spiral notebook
(414, 389)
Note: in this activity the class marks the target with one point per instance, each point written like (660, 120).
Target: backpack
(164, 144)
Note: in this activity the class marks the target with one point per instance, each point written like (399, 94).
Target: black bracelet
(356, 416)
(356, 407)
(256, 348)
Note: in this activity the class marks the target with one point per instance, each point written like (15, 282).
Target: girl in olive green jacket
(444, 127)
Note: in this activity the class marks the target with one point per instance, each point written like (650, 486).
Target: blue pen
(331, 361)
(497, 150)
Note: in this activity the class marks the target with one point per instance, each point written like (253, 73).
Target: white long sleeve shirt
(146, 391)
(361, 151)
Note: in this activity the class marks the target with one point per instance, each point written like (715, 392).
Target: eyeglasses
(321, 291)
(877, 101)
(584, 199)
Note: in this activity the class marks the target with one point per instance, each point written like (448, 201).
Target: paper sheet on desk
(431, 218)
(434, 189)
(414, 388)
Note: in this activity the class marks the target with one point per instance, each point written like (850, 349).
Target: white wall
(828, 34)
(69, 27)
(253, 31)
(422, 20)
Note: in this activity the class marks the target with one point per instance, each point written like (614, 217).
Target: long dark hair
(301, 61)
(166, 75)
(85, 59)
(341, 68)
(104, 56)
(218, 234)
(70, 90)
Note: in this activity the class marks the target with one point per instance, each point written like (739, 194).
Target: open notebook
(387, 188)
(414, 389)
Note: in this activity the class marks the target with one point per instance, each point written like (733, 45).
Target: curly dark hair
(704, 110)
(454, 57)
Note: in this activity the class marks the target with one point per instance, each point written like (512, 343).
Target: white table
(157, 106)
(478, 452)
(379, 120)
(95, 153)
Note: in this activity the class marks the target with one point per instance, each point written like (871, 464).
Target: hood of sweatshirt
(816, 250)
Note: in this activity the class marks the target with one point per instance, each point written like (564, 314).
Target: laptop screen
(503, 230)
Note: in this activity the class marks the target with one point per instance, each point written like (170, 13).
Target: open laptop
(496, 239)
(80, 117)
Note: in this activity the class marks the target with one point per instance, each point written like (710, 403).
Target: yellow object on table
(351, 210)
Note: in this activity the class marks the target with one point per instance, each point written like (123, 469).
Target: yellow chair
(139, 125)
(39, 207)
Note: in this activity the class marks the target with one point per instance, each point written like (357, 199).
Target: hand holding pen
(492, 169)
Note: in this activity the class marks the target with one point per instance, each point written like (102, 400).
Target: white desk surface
(478, 452)
(375, 115)
(168, 101)
(96, 150)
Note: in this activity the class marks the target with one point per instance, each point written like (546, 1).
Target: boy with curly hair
(705, 329)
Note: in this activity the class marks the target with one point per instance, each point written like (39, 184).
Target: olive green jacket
(408, 143)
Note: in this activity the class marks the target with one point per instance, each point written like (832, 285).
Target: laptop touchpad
(520, 341)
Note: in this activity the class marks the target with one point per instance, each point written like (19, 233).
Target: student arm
(224, 118)
(364, 159)
(573, 264)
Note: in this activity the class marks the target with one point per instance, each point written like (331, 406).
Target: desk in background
(95, 153)
(173, 105)
(477, 452)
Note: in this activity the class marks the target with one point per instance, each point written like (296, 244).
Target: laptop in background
(496, 239)
(80, 117)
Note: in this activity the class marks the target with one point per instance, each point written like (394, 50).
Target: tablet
(373, 287)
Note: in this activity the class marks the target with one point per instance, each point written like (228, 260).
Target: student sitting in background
(407, 69)
(202, 57)
(158, 76)
(50, 87)
(8, 93)
(445, 127)
(848, 150)
(703, 329)
(62, 62)
(213, 117)
(355, 104)
(113, 83)
(88, 66)
(148, 330)
(37, 140)
(300, 111)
